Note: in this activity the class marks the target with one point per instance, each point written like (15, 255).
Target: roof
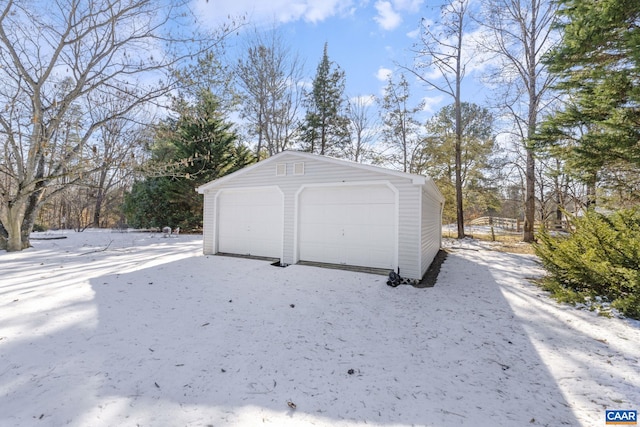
(416, 179)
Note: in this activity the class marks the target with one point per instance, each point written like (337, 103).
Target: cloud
(383, 74)
(412, 6)
(414, 34)
(279, 11)
(429, 102)
(387, 17)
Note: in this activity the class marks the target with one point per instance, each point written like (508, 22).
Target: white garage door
(250, 222)
(352, 225)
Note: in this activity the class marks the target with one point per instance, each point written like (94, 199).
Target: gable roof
(416, 179)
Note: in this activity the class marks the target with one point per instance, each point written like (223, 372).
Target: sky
(368, 39)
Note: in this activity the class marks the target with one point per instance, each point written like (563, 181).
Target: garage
(250, 222)
(300, 207)
(350, 225)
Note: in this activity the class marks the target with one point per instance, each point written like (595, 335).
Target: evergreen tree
(477, 148)
(599, 260)
(194, 149)
(598, 66)
(326, 126)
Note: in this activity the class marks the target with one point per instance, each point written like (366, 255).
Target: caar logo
(621, 417)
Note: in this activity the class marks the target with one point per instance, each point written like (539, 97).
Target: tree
(520, 34)
(269, 76)
(57, 60)
(361, 127)
(477, 149)
(400, 127)
(326, 128)
(198, 147)
(441, 50)
(597, 63)
(114, 156)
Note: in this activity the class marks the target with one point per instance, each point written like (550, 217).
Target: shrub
(38, 227)
(600, 260)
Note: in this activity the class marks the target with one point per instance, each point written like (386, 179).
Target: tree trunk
(532, 122)
(12, 223)
(29, 218)
(97, 213)
(459, 206)
(458, 124)
(530, 199)
(98, 209)
(4, 236)
(591, 191)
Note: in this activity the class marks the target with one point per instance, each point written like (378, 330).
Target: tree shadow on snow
(224, 341)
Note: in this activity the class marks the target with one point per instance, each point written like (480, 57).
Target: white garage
(297, 206)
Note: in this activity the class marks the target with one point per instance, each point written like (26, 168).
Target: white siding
(319, 170)
(208, 221)
(409, 231)
(431, 229)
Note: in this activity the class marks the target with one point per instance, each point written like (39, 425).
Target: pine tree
(477, 147)
(598, 66)
(196, 148)
(326, 126)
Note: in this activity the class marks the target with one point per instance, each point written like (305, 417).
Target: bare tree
(521, 32)
(400, 126)
(361, 125)
(58, 60)
(269, 76)
(118, 145)
(441, 51)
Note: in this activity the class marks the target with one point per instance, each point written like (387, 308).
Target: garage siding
(431, 229)
(319, 170)
(409, 231)
(208, 221)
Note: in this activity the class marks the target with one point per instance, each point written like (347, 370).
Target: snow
(133, 329)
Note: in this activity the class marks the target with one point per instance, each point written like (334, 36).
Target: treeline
(125, 135)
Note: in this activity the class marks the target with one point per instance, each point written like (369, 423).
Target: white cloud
(387, 17)
(280, 11)
(412, 6)
(429, 102)
(383, 74)
(414, 34)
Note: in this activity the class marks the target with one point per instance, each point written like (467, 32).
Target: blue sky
(367, 38)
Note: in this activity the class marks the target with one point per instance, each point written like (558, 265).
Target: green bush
(599, 261)
(38, 227)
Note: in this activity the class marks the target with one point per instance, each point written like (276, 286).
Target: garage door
(250, 222)
(352, 225)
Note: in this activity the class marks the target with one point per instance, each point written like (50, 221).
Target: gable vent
(298, 168)
(281, 169)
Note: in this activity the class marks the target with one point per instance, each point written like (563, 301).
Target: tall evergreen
(326, 126)
(598, 65)
(477, 149)
(196, 148)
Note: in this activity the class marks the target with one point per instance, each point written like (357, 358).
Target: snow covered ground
(132, 329)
